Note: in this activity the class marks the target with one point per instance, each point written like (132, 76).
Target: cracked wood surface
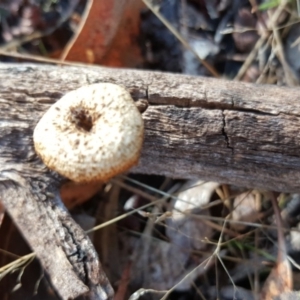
(196, 127)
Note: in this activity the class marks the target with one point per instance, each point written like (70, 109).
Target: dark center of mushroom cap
(81, 118)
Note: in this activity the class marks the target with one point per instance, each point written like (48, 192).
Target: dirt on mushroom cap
(92, 133)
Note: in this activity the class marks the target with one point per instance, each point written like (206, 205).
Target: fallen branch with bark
(196, 127)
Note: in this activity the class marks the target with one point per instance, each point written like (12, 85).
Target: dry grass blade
(16, 264)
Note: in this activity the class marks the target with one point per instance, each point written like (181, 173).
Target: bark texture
(196, 127)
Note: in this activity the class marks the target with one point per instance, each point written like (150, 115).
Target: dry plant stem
(16, 264)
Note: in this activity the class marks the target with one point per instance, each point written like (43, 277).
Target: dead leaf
(246, 208)
(109, 35)
(73, 194)
(278, 282)
(184, 229)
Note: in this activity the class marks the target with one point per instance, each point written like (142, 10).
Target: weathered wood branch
(230, 132)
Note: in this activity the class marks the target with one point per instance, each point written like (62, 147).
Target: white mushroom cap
(92, 133)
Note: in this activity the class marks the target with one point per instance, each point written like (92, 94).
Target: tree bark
(231, 132)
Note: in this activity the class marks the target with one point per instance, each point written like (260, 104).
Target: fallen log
(196, 127)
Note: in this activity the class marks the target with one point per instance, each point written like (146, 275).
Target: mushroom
(91, 134)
